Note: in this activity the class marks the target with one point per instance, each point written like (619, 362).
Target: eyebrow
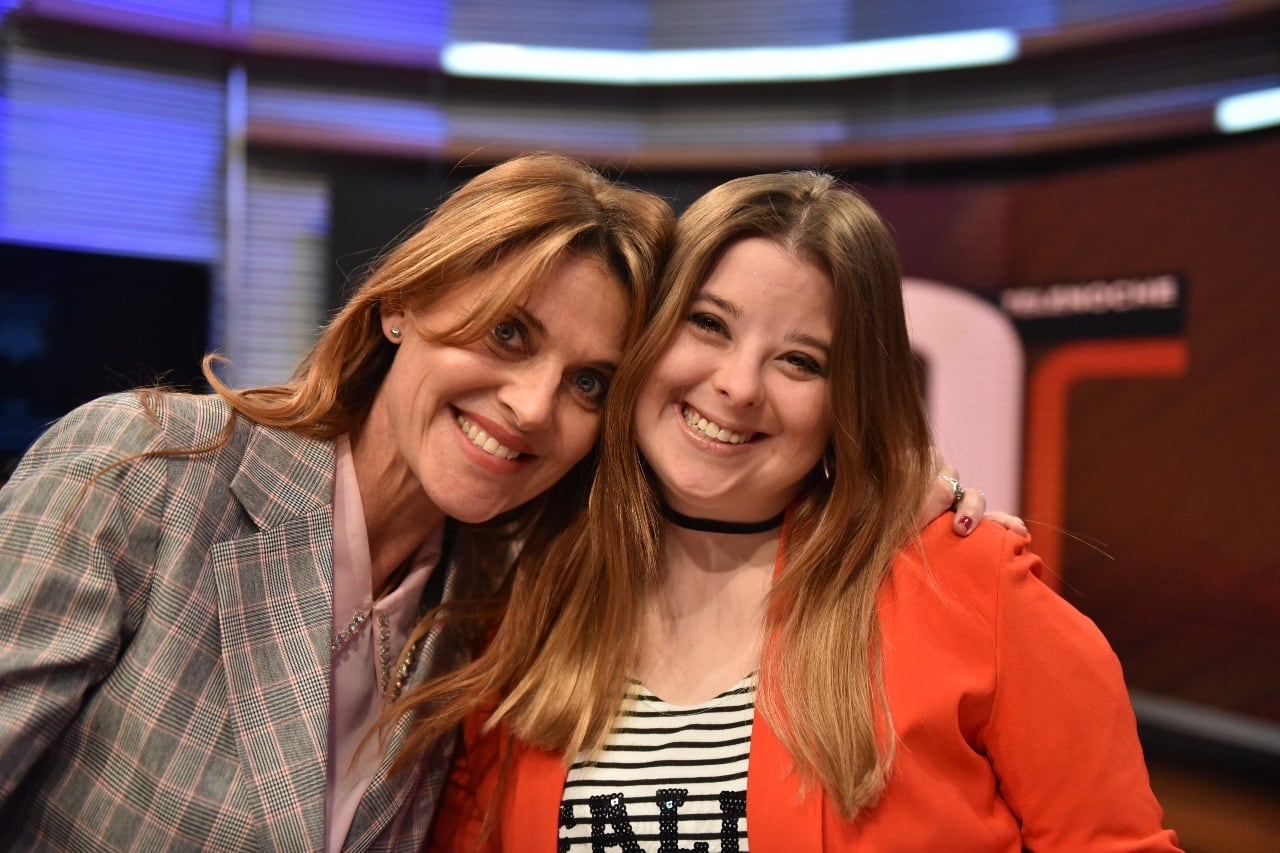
(795, 337)
(809, 341)
(723, 304)
(531, 320)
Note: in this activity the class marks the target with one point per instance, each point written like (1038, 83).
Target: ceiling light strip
(1248, 111)
(736, 65)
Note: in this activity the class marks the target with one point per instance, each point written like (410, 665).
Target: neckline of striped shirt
(667, 773)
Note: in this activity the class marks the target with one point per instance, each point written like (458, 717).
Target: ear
(392, 319)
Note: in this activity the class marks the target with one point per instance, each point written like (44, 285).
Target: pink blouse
(369, 658)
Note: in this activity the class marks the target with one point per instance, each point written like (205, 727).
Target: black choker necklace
(711, 525)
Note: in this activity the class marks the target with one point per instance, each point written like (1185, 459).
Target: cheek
(647, 402)
(414, 374)
(580, 430)
(816, 426)
(661, 387)
(401, 395)
(650, 405)
(674, 369)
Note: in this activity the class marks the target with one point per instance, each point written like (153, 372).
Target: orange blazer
(1014, 731)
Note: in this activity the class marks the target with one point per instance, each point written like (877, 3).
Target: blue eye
(509, 334)
(591, 385)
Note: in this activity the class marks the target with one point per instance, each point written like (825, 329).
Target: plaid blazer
(164, 642)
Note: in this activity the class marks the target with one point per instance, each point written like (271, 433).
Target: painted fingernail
(966, 522)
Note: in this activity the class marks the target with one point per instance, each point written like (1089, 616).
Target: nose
(529, 394)
(738, 378)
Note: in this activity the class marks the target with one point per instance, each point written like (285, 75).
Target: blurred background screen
(76, 325)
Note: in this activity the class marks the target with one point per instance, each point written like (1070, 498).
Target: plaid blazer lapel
(274, 602)
(381, 823)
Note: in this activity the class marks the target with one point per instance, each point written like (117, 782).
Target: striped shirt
(667, 778)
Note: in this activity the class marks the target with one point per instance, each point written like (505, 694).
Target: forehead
(527, 277)
(758, 273)
(572, 280)
(582, 306)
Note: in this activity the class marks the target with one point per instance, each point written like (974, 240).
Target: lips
(712, 430)
(484, 441)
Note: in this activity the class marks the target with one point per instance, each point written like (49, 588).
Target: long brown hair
(558, 660)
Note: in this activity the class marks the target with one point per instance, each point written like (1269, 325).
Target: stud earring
(395, 333)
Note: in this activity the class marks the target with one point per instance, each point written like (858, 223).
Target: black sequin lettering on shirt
(733, 807)
(611, 809)
(567, 821)
(669, 802)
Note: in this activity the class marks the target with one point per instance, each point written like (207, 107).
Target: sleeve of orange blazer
(75, 559)
(470, 793)
(1062, 735)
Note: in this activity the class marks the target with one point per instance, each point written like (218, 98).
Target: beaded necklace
(431, 596)
(353, 627)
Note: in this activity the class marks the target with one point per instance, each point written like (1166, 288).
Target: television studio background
(1085, 193)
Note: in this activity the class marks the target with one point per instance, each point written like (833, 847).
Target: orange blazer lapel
(532, 819)
(779, 819)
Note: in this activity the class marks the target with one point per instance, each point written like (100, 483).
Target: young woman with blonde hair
(747, 641)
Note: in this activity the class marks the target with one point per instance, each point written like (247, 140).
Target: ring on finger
(957, 490)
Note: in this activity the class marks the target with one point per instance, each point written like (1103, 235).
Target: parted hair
(558, 660)
(526, 213)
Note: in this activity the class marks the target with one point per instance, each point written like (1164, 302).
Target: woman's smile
(486, 426)
(732, 418)
(486, 438)
(712, 430)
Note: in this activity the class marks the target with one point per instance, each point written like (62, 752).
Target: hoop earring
(826, 468)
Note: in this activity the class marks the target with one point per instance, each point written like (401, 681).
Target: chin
(477, 511)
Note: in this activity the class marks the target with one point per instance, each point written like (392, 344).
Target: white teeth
(484, 441)
(712, 430)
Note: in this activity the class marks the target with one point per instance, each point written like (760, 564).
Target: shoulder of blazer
(276, 474)
(956, 565)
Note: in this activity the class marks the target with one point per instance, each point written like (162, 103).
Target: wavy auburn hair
(523, 215)
(528, 213)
